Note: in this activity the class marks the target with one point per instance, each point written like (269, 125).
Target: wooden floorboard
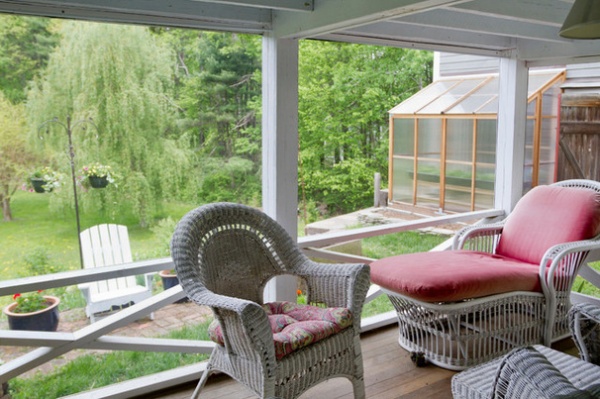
(389, 374)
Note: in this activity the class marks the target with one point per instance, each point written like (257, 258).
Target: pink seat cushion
(295, 326)
(546, 216)
(450, 276)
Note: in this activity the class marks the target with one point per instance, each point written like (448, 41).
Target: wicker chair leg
(358, 385)
(201, 383)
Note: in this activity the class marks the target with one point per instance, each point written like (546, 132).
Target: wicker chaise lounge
(502, 286)
(224, 255)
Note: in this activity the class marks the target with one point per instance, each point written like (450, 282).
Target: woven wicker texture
(458, 335)
(540, 372)
(224, 255)
(585, 326)
(531, 372)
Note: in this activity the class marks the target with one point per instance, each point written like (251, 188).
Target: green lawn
(96, 370)
(48, 240)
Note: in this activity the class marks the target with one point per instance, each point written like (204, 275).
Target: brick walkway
(169, 318)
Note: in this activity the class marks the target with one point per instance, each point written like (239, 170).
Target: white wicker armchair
(224, 255)
(502, 286)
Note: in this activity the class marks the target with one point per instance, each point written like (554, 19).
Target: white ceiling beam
(425, 34)
(179, 13)
(335, 15)
(484, 24)
(450, 48)
(549, 12)
(291, 5)
(545, 53)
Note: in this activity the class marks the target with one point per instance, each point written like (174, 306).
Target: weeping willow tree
(121, 78)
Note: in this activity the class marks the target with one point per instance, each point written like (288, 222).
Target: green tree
(25, 43)
(218, 88)
(218, 95)
(120, 76)
(15, 158)
(345, 92)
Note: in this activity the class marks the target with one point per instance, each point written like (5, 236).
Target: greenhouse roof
(467, 94)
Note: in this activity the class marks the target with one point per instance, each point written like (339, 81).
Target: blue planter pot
(42, 320)
(170, 281)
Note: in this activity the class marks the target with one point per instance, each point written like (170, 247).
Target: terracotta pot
(170, 280)
(42, 320)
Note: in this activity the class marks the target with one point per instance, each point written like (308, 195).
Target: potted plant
(99, 176)
(169, 280)
(44, 180)
(33, 311)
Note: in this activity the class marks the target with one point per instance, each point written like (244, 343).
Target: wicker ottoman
(478, 382)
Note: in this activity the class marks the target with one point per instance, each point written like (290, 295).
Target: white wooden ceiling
(522, 29)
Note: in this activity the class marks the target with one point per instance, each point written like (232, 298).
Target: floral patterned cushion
(295, 326)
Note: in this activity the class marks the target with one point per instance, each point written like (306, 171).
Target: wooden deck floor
(389, 374)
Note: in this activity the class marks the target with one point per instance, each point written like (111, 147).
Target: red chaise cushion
(546, 216)
(450, 276)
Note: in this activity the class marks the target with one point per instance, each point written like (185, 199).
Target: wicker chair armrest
(491, 232)
(245, 326)
(584, 321)
(336, 284)
(526, 373)
(570, 252)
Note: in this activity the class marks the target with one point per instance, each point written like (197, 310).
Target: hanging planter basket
(42, 320)
(98, 181)
(38, 185)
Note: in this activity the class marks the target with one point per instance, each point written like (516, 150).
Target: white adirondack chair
(107, 245)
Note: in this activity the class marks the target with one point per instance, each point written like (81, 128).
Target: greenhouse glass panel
(473, 103)
(458, 187)
(428, 182)
(443, 102)
(490, 108)
(459, 140)
(404, 136)
(537, 81)
(403, 180)
(529, 141)
(485, 164)
(547, 169)
(424, 97)
(486, 142)
(430, 138)
(550, 102)
(531, 108)
(527, 178)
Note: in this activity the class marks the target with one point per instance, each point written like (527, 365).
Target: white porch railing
(53, 344)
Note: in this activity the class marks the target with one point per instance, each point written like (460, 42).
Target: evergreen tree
(218, 88)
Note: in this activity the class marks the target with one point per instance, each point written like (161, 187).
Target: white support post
(280, 146)
(510, 142)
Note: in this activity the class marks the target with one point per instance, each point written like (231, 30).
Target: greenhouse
(443, 141)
